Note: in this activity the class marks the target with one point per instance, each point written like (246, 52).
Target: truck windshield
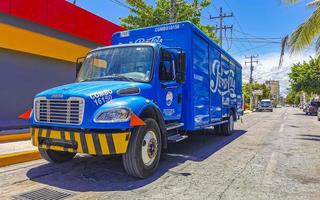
(119, 63)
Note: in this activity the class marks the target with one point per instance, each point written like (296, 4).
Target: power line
(221, 26)
(252, 60)
(237, 21)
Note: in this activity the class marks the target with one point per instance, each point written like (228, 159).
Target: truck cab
(132, 98)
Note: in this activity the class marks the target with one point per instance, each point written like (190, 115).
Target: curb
(14, 137)
(19, 157)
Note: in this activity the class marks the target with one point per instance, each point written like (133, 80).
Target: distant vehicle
(265, 104)
(304, 108)
(278, 106)
(312, 108)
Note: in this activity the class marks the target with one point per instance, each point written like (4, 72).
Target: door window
(167, 71)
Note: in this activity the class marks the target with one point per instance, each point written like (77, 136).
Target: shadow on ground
(86, 173)
(304, 114)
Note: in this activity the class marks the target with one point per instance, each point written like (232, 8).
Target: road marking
(281, 128)
(271, 167)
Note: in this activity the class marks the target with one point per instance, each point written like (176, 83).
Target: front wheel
(143, 153)
(56, 156)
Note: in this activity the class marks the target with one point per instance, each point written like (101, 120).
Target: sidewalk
(14, 147)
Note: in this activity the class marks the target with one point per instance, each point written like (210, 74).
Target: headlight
(113, 115)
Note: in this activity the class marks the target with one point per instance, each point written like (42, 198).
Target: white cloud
(268, 69)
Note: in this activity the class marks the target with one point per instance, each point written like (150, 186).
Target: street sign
(257, 92)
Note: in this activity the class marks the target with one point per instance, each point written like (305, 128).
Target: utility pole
(251, 60)
(222, 27)
(172, 18)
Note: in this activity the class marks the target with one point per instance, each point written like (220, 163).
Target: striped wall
(40, 41)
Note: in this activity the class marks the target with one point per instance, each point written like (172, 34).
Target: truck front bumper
(94, 143)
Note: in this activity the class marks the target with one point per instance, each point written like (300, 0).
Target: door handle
(179, 98)
(169, 86)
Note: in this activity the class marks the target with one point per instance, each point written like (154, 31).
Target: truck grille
(62, 111)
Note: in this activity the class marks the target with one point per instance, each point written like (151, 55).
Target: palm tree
(305, 34)
(308, 31)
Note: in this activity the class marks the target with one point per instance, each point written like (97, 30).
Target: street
(270, 156)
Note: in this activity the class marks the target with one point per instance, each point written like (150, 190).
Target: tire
(217, 130)
(137, 161)
(318, 119)
(56, 156)
(228, 128)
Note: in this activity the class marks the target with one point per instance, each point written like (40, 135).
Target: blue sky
(261, 18)
(255, 18)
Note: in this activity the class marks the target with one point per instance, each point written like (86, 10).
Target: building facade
(40, 41)
(274, 87)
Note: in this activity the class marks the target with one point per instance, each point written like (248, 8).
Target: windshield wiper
(113, 76)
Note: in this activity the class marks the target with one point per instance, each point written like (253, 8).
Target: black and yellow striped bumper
(81, 142)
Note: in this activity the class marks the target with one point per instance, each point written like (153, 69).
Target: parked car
(265, 104)
(305, 107)
(312, 108)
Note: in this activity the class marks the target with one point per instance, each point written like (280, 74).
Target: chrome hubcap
(149, 148)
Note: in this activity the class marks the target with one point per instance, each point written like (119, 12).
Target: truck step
(173, 125)
(176, 138)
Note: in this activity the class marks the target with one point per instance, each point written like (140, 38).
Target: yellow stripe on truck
(103, 143)
(120, 142)
(19, 39)
(55, 135)
(78, 140)
(90, 143)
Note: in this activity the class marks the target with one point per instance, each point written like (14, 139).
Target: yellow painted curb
(19, 157)
(15, 137)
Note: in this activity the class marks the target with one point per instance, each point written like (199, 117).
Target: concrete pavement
(270, 156)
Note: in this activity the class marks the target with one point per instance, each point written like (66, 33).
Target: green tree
(143, 15)
(255, 86)
(307, 32)
(305, 76)
(293, 97)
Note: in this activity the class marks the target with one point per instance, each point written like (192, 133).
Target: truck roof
(188, 24)
(124, 45)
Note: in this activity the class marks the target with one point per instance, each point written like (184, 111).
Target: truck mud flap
(81, 142)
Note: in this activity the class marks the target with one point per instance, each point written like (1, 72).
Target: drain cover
(43, 194)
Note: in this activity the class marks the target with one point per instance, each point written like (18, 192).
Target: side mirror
(79, 65)
(181, 68)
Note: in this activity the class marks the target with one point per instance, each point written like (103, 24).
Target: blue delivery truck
(148, 89)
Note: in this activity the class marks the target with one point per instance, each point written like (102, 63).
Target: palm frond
(314, 4)
(284, 44)
(318, 45)
(304, 35)
(291, 1)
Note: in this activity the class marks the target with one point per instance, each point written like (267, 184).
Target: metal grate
(62, 111)
(43, 194)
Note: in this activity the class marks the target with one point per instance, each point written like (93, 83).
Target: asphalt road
(270, 156)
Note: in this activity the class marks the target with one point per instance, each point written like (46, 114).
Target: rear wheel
(143, 153)
(56, 156)
(227, 128)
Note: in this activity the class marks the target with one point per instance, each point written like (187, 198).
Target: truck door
(170, 92)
